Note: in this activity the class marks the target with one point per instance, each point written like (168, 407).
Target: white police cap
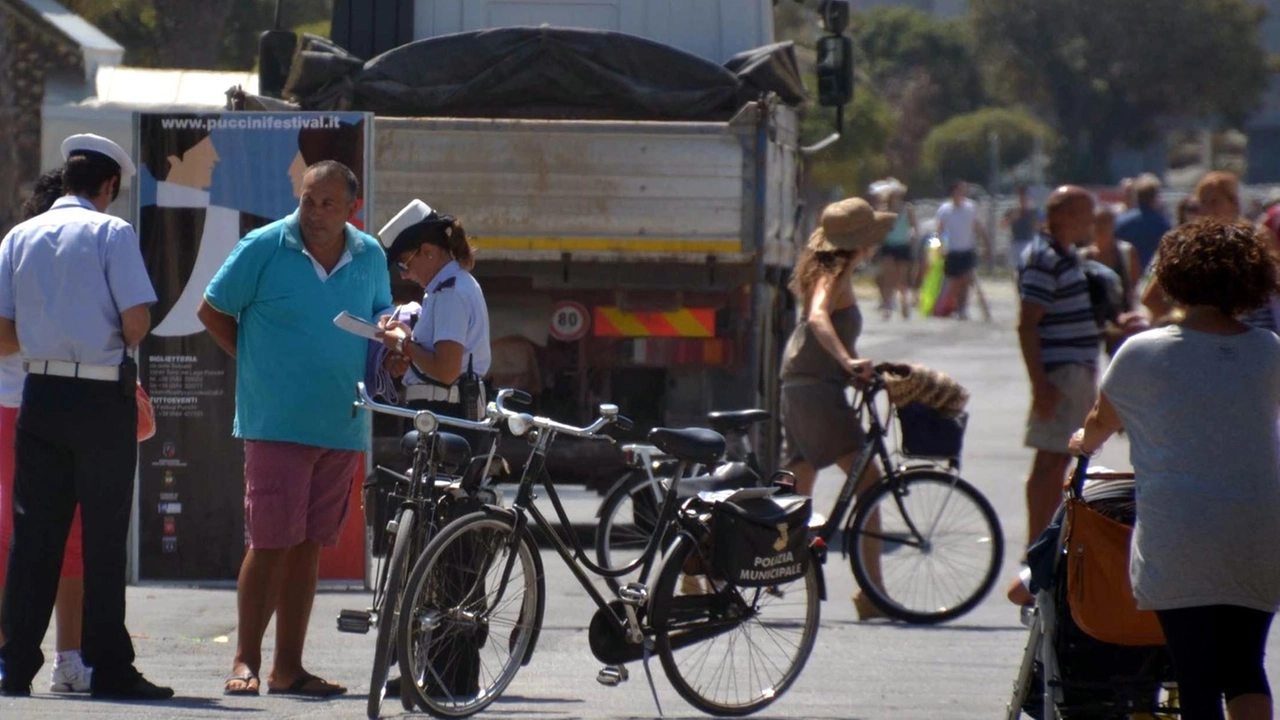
(412, 214)
(99, 144)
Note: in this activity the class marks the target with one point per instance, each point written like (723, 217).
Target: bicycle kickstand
(648, 674)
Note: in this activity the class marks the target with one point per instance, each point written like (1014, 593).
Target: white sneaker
(70, 675)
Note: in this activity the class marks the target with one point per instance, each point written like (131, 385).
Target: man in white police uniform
(75, 297)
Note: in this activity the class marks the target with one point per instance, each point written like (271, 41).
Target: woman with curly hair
(1199, 400)
(819, 427)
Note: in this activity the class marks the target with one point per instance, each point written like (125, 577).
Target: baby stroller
(1090, 652)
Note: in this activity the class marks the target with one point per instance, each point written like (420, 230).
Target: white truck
(643, 256)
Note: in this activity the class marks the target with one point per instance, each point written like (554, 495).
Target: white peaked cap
(99, 144)
(412, 214)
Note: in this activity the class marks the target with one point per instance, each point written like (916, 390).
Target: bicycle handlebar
(425, 420)
(519, 423)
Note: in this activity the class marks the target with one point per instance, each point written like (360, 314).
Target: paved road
(858, 670)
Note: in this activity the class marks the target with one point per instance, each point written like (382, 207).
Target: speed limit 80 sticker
(569, 321)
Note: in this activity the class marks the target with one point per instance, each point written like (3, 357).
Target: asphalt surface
(963, 669)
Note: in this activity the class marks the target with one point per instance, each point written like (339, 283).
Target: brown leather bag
(1098, 589)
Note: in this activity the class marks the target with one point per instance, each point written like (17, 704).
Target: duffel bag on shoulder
(761, 541)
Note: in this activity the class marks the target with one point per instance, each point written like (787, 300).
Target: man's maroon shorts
(296, 492)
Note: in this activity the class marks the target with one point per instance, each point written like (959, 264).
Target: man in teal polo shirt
(271, 306)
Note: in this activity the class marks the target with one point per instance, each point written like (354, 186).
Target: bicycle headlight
(425, 423)
(518, 424)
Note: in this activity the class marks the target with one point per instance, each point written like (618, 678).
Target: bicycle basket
(761, 541)
(930, 434)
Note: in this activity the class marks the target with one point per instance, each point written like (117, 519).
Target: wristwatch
(400, 345)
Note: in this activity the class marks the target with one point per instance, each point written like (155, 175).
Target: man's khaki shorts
(1079, 387)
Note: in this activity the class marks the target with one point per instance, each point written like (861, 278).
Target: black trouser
(455, 656)
(1217, 653)
(76, 443)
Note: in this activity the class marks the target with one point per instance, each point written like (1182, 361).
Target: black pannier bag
(929, 433)
(761, 541)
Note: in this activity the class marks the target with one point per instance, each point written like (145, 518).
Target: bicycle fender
(818, 558)
(509, 516)
(542, 597)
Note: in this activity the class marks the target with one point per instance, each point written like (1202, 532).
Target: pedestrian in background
(1023, 222)
(271, 307)
(897, 254)
(75, 300)
(1060, 341)
(1199, 401)
(70, 674)
(1217, 195)
(960, 230)
(1144, 225)
(819, 427)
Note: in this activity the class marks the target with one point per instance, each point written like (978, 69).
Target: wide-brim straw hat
(851, 225)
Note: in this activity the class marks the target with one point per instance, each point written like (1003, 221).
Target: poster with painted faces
(204, 182)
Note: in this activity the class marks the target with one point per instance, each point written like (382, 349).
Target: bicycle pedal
(633, 594)
(613, 675)
(355, 621)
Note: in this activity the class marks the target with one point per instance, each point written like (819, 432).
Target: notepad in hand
(357, 326)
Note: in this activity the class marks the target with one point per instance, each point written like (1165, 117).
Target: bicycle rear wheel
(628, 517)
(384, 649)
(463, 632)
(936, 540)
(728, 650)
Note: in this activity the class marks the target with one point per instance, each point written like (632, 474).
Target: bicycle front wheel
(383, 650)
(464, 632)
(926, 549)
(729, 650)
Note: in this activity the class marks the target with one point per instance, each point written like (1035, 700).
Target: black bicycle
(925, 546)
(475, 600)
(404, 512)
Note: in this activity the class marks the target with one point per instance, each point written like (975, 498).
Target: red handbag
(146, 415)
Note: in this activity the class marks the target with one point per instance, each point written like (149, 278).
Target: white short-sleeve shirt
(957, 222)
(453, 309)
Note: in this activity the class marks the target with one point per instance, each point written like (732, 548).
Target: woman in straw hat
(819, 426)
(896, 255)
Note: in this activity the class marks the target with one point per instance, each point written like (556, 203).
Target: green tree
(960, 147)
(924, 68)
(195, 34)
(1110, 71)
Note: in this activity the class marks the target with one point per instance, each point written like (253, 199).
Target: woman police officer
(448, 344)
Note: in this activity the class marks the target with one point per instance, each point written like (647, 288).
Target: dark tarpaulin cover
(551, 73)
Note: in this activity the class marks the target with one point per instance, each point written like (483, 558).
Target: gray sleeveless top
(806, 359)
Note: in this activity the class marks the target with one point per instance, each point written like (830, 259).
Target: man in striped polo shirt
(1060, 343)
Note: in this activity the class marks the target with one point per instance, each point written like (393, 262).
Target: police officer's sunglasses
(404, 266)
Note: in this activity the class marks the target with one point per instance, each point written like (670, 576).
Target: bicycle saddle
(449, 450)
(728, 421)
(691, 444)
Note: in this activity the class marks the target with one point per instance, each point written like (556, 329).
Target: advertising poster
(204, 181)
